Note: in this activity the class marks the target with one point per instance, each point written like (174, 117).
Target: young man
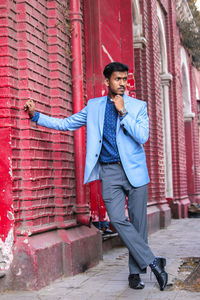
(117, 128)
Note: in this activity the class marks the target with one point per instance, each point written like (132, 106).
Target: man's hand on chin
(119, 104)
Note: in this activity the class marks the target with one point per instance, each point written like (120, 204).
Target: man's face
(117, 83)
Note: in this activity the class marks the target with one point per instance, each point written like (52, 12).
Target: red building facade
(54, 52)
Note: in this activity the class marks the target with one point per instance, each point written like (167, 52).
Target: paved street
(108, 280)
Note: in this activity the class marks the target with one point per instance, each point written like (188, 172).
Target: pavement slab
(108, 280)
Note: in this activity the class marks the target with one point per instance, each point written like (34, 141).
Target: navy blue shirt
(109, 150)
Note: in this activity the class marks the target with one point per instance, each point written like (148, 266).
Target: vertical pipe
(82, 207)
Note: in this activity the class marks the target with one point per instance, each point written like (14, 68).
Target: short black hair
(114, 67)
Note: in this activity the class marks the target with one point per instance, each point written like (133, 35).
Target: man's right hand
(30, 108)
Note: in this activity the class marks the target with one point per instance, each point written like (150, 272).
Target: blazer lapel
(102, 109)
(118, 125)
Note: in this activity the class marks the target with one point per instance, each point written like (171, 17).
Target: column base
(153, 219)
(184, 207)
(179, 207)
(40, 259)
(165, 215)
(159, 216)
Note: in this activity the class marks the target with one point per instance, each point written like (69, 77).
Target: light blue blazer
(131, 133)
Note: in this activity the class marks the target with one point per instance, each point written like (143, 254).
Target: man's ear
(106, 81)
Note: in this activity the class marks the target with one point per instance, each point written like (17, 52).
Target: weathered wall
(43, 160)
(108, 37)
(184, 140)
(8, 94)
(195, 86)
(148, 88)
(37, 164)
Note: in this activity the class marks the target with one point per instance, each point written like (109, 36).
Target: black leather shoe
(160, 273)
(135, 282)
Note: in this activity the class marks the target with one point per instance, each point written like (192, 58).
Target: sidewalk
(108, 280)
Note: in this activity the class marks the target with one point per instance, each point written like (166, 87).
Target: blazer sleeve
(138, 128)
(71, 123)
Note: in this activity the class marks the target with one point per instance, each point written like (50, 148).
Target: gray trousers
(114, 188)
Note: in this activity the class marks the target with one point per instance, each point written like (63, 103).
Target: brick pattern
(176, 108)
(8, 62)
(194, 82)
(43, 160)
(147, 74)
(35, 62)
(148, 87)
(8, 112)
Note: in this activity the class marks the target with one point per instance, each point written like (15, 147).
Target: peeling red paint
(110, 38)
(6, 209)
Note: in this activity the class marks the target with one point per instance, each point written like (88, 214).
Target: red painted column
(7, 121)
(94, 84)
(190, 159)
(109, 37)
(6, 215)
(127, 51)
(77, 91)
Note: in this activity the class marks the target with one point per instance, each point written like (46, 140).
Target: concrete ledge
(40, 259)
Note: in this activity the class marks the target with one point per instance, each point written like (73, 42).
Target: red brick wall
(35, 63)
(195, 83)
(148, 87)
(177, 118)
(43, 159)
(8, 112)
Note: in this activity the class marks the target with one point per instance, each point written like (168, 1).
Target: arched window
(188, 114)
(138, 40)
